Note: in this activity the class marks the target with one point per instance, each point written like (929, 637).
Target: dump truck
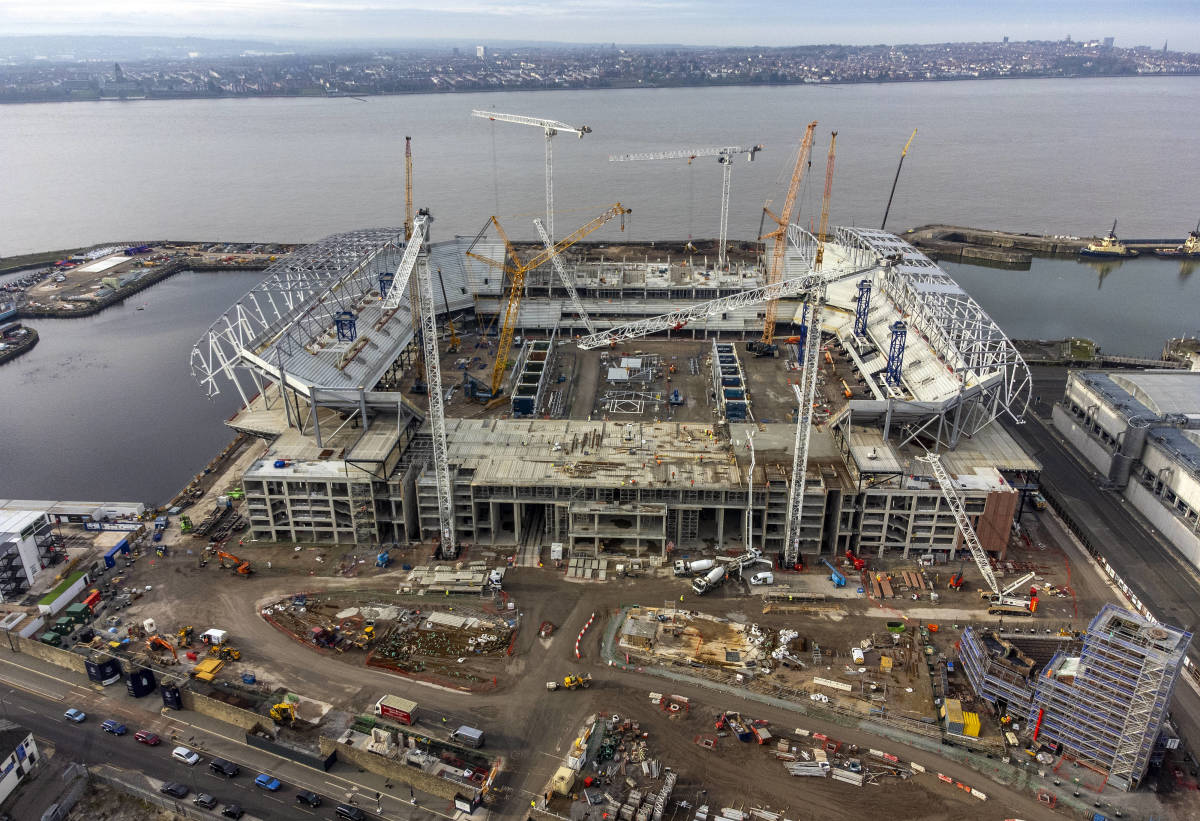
(710, 580)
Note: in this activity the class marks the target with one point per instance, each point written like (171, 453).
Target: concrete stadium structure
(621, 466)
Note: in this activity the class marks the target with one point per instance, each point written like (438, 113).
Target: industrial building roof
(1168, 400)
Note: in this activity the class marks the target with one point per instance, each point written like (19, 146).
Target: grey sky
(695, 22)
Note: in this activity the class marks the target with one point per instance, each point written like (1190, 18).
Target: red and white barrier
(581, 632)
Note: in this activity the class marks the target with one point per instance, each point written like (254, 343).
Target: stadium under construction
(617, 421)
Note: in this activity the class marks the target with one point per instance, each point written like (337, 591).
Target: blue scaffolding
(347, 326)
(895, 361)
(863, 308)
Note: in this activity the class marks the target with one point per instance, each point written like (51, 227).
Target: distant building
(480, 52)
(1141, 430)
(1006, 41)
(19, 752)
(26, 542)
(1102, 703)
(1108, 42)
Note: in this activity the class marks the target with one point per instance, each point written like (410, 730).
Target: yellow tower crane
(419, 359)
(516, 272)
(779, 235)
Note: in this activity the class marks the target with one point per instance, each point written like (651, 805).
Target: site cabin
(394, 708)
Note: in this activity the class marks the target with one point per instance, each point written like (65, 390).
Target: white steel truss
(563, 275)
(395, 294)
(992, 376)
(437, 416)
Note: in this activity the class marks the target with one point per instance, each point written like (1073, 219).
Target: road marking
(34, 691)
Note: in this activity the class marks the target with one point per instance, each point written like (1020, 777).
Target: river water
(105, 407)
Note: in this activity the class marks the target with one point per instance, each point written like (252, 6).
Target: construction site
(644, 518)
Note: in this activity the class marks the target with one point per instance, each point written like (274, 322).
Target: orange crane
(779, 235)
(239, 566)
(419, 359)
(408, 199)
(516, 273)
(159, 643)
(825, 203)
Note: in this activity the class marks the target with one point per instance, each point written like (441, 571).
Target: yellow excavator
(185, 636)
(283, 713)
(224, 652)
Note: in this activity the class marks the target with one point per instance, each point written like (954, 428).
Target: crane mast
(550, 128)
(447, 548)
(724, 156)
(806, 393)
(408, 199)
(779, 252)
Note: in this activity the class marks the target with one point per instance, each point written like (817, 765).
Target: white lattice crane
(565, 277)
(724, 156)
(550, 128)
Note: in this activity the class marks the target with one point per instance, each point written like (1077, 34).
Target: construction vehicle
(383, 559)
(239, 566)
(224, 652)
(186, 636)
(516, 273)
(1000, 602)
(859, 564)
(779, 235)
(575, 681)
(956, 581)
(283, 713)
(157, 642)
(835, 576)
(709, 581)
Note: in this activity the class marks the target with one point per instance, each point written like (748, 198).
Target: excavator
(185, 636)
(239, 566)
(159, 643)
(283, 713)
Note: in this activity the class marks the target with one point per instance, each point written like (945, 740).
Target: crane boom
(677, 320)
(408, 199)
(806, 393)
(964, 523)
(825, 202)
(566, 279)
(724, 156)
(775, 271)
(549, 128)
(407, 263)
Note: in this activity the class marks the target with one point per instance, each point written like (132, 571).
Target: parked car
(78, 716)
(308, 797)
(147, 737)
(113, 726)
(185, 755)
(349, 813)
(233, 811)
(205, 800)
(267, 782)
(222, 767)
(174, 789)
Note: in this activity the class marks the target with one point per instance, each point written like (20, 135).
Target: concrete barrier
(53, 655)
(213, 708)
(392, 769)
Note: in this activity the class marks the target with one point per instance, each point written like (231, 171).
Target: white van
(765, 577)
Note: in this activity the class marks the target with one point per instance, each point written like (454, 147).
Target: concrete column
(721, 526)
(493, 517)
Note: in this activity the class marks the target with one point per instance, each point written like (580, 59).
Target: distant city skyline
(632, 22)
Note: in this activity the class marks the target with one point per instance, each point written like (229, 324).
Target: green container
(79, 613)
(64, 626)
(53, 639)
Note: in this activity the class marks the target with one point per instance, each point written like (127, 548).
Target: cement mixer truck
(709, 581)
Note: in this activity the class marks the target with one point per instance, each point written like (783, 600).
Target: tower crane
(825, 203)
(517, 272)
(724, 156)
(566, 278)
(419, 362)
(447, 547)
(550, 128)
(779, 235)
(1000, 600)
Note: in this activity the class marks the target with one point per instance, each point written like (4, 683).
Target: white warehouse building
(1141, 429)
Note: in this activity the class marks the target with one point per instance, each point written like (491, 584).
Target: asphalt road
(38, 700)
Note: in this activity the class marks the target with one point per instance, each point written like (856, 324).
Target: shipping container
(468, 735)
